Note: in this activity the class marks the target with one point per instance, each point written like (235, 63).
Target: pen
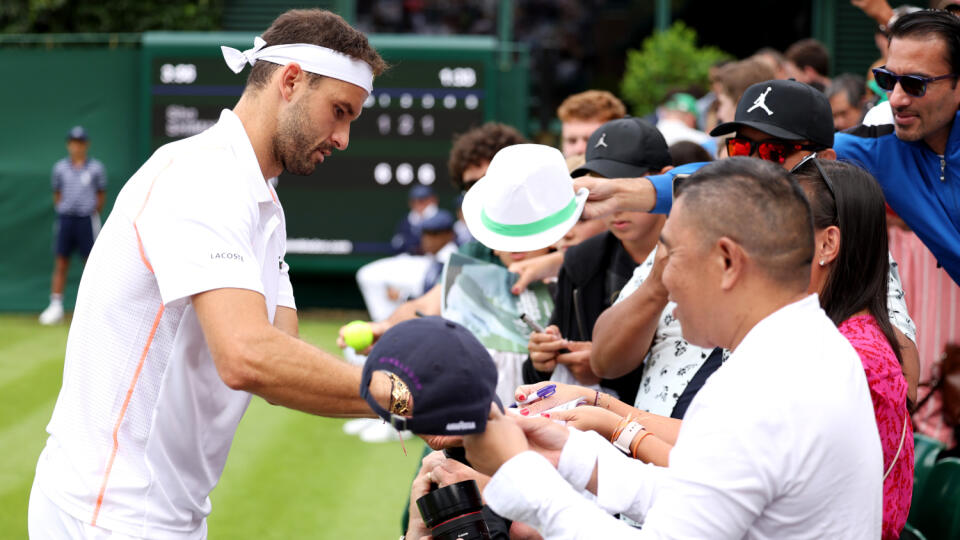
(542, 393)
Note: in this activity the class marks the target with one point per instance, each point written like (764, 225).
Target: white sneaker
(356, 425)
(382, 432)
(52, 315)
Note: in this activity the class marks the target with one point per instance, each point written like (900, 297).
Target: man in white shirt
(780, 443)
(185, 307)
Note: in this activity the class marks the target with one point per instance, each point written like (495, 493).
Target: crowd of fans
(695, 344)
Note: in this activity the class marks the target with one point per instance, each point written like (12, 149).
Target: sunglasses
(914, 85)
(776, 150)
(812, 158)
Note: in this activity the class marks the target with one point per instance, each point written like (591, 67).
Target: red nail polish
(545, 415)
(524, 411)
(521, 397)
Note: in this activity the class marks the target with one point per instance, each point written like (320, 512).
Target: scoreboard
(344, 214)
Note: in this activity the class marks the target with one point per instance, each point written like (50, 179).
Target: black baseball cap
(625, 148)
(77, 133)
(785, 109)
(449, 373)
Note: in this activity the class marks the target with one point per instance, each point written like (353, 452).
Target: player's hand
(563, 394)
(543, 348)
(378, 329)
(587, 418)
(439, 442)
(535, 269)
(578, 362)
(500, 441)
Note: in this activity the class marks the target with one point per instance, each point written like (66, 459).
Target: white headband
(312, 58)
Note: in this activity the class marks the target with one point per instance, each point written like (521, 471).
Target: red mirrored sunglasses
(775, 150)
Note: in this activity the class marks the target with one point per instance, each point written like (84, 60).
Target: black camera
(454, 512)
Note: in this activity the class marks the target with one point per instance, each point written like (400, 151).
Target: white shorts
(46, 520)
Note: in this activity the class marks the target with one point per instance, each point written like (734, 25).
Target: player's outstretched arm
(252, 355)
(286, 320)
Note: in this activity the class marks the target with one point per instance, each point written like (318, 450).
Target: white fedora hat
(525, 202)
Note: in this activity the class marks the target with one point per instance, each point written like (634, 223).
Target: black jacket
(592, 275)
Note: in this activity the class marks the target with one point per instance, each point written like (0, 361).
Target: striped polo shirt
(78, 186)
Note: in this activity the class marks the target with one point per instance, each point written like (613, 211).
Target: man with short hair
(79, 189)
(185, 308)
(846, 95)
(808, 61)
(916, 159)
(758, 454)
(581, 114)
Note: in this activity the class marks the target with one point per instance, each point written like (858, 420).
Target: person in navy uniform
(79, 186)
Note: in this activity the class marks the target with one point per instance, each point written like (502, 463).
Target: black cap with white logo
(625, 148)
(788, 110)
(448, 372)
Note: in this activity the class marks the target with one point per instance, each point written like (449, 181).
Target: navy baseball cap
(785, 109)
(77, 133)
(420, 191)
(625, 148)
(449, 373)
(438, 222)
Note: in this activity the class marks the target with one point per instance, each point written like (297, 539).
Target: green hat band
(534, 227)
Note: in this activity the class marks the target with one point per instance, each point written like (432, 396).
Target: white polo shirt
(780, 443)
(143, 423)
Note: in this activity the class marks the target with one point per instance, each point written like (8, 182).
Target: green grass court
(289, 474)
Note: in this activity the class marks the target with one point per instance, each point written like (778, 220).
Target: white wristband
(626, 437)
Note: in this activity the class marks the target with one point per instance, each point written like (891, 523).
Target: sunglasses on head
(914, 85)
(775, 150)
(812, 158)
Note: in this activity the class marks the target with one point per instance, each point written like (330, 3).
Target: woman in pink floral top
(850, 275)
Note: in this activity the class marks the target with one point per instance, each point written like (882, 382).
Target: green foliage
(108, 16)
(668, 61)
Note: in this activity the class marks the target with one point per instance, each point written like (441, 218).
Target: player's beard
(293, 148)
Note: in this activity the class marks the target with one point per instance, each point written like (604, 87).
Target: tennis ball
(358, 335)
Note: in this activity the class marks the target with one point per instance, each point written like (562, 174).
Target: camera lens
(454, 512)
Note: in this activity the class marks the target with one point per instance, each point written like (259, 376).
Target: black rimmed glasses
(812, 158)
(914, 85)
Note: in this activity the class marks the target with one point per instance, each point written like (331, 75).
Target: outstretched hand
(609, 195)
(501, 440)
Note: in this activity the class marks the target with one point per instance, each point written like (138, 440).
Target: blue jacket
(921, 186)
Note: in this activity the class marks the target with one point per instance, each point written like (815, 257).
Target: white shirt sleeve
(897, 305)
(528, 489)
(196, 230)
(285, 290)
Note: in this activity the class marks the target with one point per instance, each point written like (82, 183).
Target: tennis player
(185, 308)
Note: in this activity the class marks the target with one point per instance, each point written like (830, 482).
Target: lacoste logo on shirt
(227, 256)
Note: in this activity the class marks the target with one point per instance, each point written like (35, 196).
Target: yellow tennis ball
(358, 335)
